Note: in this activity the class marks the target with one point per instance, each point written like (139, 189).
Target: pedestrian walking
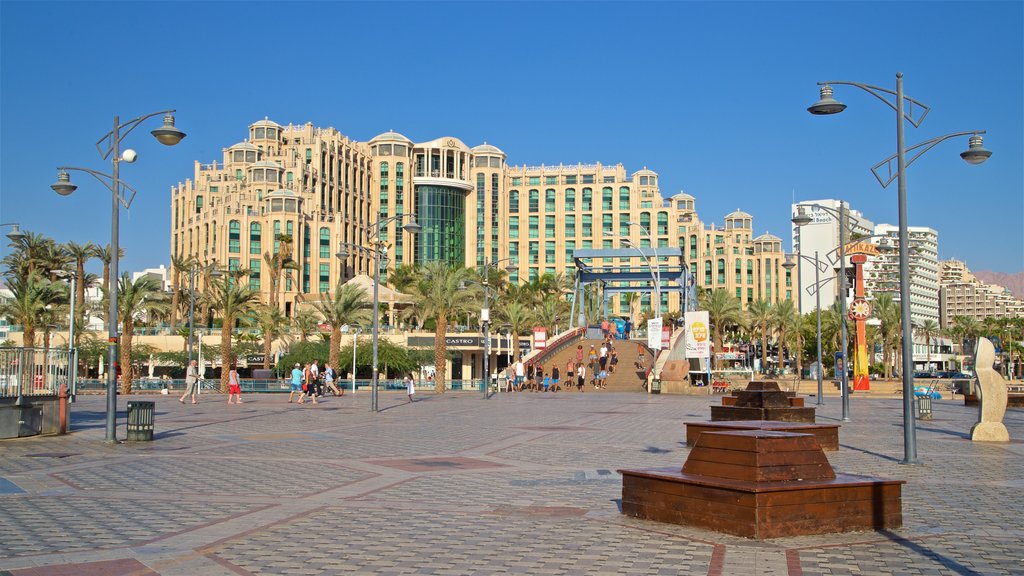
(410, 387)
(191, 383)
(520, 374)
(640, 350)
(308, 385)
(329, 384)
(554, 378)
(579, 354)
(234, 386)
(296, 385)
(581, 377)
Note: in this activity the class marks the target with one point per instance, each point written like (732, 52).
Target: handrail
(556, 345)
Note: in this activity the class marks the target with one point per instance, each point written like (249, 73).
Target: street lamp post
(802, 219)
(975, 154)
(378, 251)
(485, 319)
(356, 330)
(817, 305)
(168, 135)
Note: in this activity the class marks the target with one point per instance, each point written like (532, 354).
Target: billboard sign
(698, 335)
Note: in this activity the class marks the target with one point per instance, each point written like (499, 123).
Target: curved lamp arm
(115, 186)
(877, 92)
(924, 147)
(127, 127)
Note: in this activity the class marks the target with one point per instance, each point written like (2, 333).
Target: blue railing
(271, 384)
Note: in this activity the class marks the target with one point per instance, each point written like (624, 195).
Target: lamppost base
(910, 462)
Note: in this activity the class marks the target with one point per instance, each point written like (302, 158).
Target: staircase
(626, 377)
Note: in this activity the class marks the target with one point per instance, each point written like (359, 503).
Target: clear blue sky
(710, 95)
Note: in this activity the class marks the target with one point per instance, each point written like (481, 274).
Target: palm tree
(441, 295)
(270, 321)
(929, 329)
(519, 318)
(105, 255)
(232, 300)
(404, 277)
(135, 300)
(787, 320)
(349, 305)
(80, 254)
(306, 322)
(723, 312)
(30, 295)
(760, 314)
(179, 264)
(887, 311)
(277, 263)
(28, 252)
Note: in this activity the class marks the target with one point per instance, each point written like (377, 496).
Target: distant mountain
(1015, 282)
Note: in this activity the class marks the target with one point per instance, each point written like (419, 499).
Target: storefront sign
(698, 335)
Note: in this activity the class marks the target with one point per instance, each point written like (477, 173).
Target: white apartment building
(822, 236)
(161, 274)
(962, 294)
(882, 273)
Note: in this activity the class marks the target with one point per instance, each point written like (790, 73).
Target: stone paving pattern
(455, 484)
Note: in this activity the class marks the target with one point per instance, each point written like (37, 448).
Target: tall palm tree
(105, 255)
(80, 254)
(760, 315)
(28, 253)
(232, 300)
(442, 295)
(887, 311)
(928, 329)
(518, 316)
(30, 295)
(403, 277)
(271, 323)
(277, 264)
(306, 323)
(348, 305)
(135, 300)
(786, 320)
(723, 312)
(179, 264)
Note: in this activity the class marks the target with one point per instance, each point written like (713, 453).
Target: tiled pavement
(455, 484)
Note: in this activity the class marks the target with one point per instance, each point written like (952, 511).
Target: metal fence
(35, 371)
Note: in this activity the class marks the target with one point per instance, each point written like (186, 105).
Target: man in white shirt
(520, 374)
(329, 381)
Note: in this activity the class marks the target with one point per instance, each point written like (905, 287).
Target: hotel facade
(304, 191)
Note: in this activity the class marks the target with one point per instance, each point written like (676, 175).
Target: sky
(711, 96)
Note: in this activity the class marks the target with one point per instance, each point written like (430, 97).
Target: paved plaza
(455, 484)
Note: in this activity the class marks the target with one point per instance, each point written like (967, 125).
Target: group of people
(534, 378)
(610, 329)
(192, 384)
(311, 382)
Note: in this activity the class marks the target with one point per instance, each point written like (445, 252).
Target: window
(607, 245)
(570, 199)
(513, 201)
(606, 198)
(606, 224)
(549, 252)
(644, 180)
(517, 181)
(707, 273)
(549, 226)
(588, 226)
(551, 179)
(570, 247)
(254, 274)
(513, 253)
(570, 179)
(750, 295)
(534, 180)
(254, 239)
(549, 200)
(199, 204)
(588, 178)
(588, 201)
(739, 275)
(721, 271)
(662, 223)
(325, 243)
(624, 198)
(513, 227)
(570, 226)
(325, 278)
(534, 220)
(750, 271)
(234, 237)
(645, 220)
(233, 264)
(238, 175)
(534, 200)
(534, 247)
(693, 246)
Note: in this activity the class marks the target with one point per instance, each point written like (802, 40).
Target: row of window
(571, 179)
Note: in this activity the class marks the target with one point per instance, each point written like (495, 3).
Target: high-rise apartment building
(882, 272)
(299, 192)
(962, 294)
(822, 236)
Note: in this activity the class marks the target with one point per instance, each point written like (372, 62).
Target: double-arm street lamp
(485, 317)
(802, 219)
(109, 146)
(975, 154)
(379, 253)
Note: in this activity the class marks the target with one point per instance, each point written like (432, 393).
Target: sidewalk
(455, 484)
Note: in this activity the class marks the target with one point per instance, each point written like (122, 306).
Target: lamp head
(216, 273)
(167, 134)
(826, 104)
(412, 226)
(15, 234)
(976, 152)
(63, 186)
(341, 254)
(511, 268)
(801, 217)
(129, 156)
(789, 264)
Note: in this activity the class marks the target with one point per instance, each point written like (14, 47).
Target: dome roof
(265, 122)
(244, 146)
(684, 196)
(645, 171)
(390, 136)
(738, 214)
(767, 237)
(268, 164)
(486, 148)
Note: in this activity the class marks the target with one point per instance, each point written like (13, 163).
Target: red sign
(666, 335)
(540, 337)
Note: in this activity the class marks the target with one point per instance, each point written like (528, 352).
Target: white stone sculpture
(991, 396)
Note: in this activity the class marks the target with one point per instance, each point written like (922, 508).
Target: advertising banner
(698, 335)
(540, 338)
(654, 333)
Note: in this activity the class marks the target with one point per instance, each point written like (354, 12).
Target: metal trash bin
(924, 408)
(656, 386)
(141, 417)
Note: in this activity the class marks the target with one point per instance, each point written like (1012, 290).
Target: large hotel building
(319, 189)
